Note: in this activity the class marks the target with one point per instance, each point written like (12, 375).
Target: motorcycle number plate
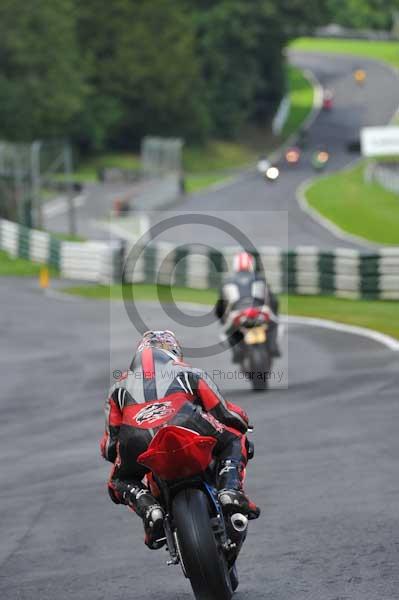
(256, 336)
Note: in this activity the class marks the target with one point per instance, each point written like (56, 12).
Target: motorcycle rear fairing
(182, 470)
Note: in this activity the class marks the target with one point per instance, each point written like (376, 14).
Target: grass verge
(213, 163)
(363, 209)
(19, 267)
(89, 168)
(216, 156)
(144, 291)
(301, 97)
(381, 315)
(379, 50)
(373, 314)
(196, 183)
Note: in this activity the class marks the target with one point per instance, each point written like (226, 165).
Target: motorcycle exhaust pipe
(239, 522)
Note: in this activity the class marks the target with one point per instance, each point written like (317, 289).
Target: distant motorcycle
(272, 173)
(320, 160)
(359, 75)
(263, 165)
(255, 355)
(292, 156)
(269, 171)
(199, 536)
(328, 99)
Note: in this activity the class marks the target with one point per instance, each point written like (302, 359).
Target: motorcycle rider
(245, 288)
(159, 388)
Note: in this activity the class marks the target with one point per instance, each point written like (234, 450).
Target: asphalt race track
(278, 220)
(95, 205)
(354, 107)
(326, 468)
(325, 473)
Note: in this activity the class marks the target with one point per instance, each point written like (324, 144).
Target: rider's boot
(138, 497)
(231, 494)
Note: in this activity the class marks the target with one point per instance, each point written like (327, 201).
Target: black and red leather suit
(159, 389)
(243, 290)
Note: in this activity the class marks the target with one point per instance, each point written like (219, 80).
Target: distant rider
(159, 388)
(243, 289)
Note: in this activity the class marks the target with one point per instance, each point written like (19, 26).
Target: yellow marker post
(44, 277)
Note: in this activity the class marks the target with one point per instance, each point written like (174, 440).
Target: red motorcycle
(255, 357)
(199, 536)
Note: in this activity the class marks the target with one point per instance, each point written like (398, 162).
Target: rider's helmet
(244, 262)
(164, 339)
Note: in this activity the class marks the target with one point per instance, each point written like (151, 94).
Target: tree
(240, 45)
(41, 79)
(363, 14)
(144, 73)
(111, 72)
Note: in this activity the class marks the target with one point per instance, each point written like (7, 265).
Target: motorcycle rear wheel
(204, 561)
(234, 578)
(260, 365)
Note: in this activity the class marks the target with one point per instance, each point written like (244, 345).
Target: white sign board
(379, 141)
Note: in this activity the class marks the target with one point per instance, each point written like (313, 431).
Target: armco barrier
(303, 270)
(387, 177)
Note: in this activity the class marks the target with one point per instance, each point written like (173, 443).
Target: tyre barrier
(87, 261)
(304, 270)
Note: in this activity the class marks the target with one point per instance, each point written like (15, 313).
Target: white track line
(376, 336)
(122, 231)
(61, 205)
(54, 206)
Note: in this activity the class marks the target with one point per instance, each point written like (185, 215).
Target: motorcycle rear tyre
(260, 364)
(204, 561)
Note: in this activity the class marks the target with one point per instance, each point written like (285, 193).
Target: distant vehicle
(272, 173)
(320, 159)
(255, 356)
(293, 155)
(263, 165)
(359, 76)
(328, 99)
